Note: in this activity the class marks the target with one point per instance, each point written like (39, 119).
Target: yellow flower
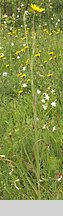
(14, 32)
(27, 30)
(49, 75)
(45, 61)
(24, 49)
(28, 80)
(23, 75)
(36, 8)
(19, 30)
(49, 87)
(55, 57)
(50, 58)
(9, 33)
(37, 55)
(19, 74)
(18, 52)
(7, 65)
(22, 39)
(10, 134)
(20, 91)
(51, 53)
(13, 58)
(27, 61)
(50, 33)
(45, 30)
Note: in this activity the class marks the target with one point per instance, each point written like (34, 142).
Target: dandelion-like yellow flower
(19, 74)
(49, 87)
(27, 61)
(36, 8)
(22, 39)
(24, 49)
(50, 33)
(50, 58)
(28, 80)
(49, 75)
(37, 55)
(20, 91)
(23, 75)
(45, 61)
(51, 53)
(7, 65)
(55, 57)
(18, 52)
(9, 33)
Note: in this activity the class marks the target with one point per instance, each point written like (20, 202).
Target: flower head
(46, 97)
(36, 8)
(38, 92)
(53, 104)
(37, 55)
(24, 68)
(4, 74)
(44, 106)
(54, 128)
(24, 85)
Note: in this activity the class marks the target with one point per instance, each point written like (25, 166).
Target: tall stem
(36, 146)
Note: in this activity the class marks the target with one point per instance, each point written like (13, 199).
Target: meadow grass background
(31, 109)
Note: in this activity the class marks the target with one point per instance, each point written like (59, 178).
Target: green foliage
(52, 8)
(31, 104)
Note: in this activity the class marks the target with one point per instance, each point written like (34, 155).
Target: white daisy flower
(46, 97)
(5, 16)
(43, 101)
(44, 106)
(44, 126)
(1, 47)
(24, 68)
(51, 18)
(12, 44)
(53, 104)
(18, 9)
(24, 85)
(4, 22)
(18, 57)
(11, 29)
(52, 91)
(26, 12)
(58, 20)
(4, 74)
(54, 128)
(17, 15)
(22, 5)
(24, 44)
(41, 75)
(21, 26)
(13, 14)
(38, 92)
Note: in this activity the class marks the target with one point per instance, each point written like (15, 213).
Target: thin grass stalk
(36, 150)
(0, 15)
(24, 20)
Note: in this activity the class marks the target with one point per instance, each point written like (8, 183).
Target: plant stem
(36, 149)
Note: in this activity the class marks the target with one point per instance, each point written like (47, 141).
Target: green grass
(31, 136)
